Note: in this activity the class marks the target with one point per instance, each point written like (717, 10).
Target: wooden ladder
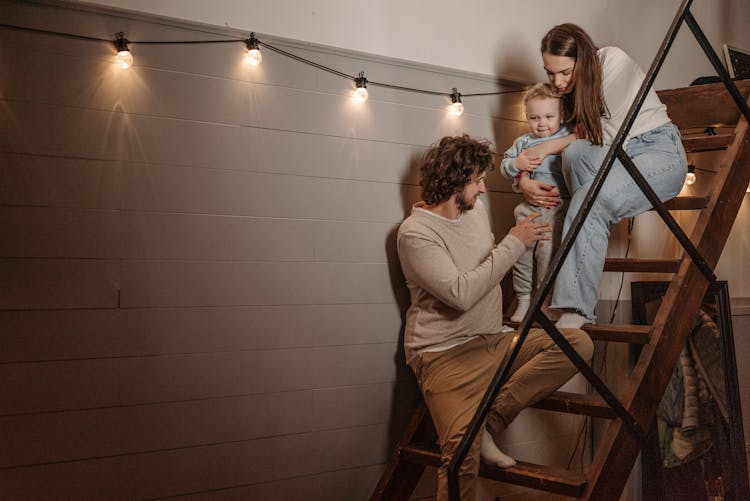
(693, 108)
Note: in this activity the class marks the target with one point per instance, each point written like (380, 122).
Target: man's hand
(529, 231)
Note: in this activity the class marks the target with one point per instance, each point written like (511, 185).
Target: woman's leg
(660, 158)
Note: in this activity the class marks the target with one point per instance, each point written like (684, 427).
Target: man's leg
(453, 383)
(540, 368)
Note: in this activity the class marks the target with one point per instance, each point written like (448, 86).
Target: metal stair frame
(615, 152)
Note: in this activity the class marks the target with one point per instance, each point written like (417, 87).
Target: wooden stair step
(619, 333)
(707, 143)
(633, 265)
(699, 106)
(692, 202)
(577, 403)
(545, 478)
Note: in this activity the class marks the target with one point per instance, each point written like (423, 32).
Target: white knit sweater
(453, 270)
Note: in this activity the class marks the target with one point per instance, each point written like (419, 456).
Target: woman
(598, 88)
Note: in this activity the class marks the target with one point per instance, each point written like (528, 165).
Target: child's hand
(526, 161)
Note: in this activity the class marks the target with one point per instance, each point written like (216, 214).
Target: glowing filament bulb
(457, 107)
(253, 55)
(361, 94)
(360, 91)
(123, 59)
(690, 178)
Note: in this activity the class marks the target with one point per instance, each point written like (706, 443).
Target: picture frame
(737, 61)
(721, 465)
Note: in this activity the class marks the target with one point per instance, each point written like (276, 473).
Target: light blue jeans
(660, 157)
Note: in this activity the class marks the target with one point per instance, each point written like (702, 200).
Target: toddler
(544, 117)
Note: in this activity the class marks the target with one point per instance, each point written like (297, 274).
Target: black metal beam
(592, 378)
(502, 373)
(657, 204)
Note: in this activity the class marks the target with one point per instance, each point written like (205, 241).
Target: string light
(457, 107)
(124, 59)
(253, 55)
(690, 179)
(360, 91)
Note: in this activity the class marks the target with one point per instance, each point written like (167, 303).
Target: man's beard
(463, 204)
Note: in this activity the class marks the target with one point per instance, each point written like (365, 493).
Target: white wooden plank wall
(199, 289)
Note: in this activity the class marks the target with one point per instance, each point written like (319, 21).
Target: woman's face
(560, 71)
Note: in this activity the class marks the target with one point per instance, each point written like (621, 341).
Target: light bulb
(253, 55)
(124, 59)
(360, 92)
(457, 107)
(690, 178)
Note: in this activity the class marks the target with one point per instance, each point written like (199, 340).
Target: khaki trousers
(454, 381)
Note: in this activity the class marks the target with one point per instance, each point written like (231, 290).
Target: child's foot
(490, 453)
(523, 306)
(571, 321)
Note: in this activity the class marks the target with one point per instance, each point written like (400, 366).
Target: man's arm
(428, 265)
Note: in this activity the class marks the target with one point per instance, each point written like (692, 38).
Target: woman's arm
(550, 146)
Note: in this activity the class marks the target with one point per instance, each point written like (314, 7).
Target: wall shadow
(406, 393)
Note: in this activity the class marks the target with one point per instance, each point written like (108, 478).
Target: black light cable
(124, 58)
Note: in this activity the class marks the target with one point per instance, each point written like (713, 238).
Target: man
(454, 339)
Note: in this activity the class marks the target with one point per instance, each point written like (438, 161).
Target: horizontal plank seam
(183, 353)
(440, 110)
(185, 447)
(189, 307)
(187, 400)
(239, 486)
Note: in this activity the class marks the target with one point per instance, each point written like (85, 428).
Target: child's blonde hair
(541, 90)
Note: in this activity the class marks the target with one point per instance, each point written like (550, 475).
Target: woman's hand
(529, 231)
(538, 193)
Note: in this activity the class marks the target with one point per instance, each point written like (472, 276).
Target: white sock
(571, 321)
(490, 453)
(523, 306)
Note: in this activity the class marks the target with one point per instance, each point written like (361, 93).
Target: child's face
(543, 116)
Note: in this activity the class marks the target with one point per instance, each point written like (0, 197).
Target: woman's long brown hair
(586, 103)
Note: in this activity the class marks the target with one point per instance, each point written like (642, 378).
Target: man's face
(468, 196)
(543, 116)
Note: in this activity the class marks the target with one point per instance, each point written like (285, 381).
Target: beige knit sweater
(453, 270)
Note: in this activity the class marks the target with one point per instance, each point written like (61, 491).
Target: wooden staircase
(692, 109)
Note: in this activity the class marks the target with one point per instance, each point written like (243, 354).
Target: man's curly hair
(449, 166)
